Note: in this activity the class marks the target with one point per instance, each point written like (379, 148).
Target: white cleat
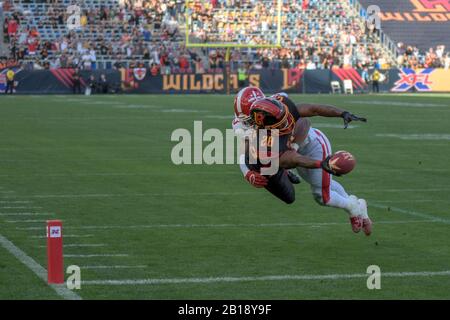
(355, 214)
(355, 207)
(363, 205)
(366, 222)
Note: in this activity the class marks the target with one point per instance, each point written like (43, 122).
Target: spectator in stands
(184, 64)
(199, 66)
(154, 69)
(12, 28)
(5, 29)
(149, 29)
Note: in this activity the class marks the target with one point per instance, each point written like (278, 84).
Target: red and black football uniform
(284, 113)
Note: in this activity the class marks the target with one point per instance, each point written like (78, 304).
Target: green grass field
(102, 164)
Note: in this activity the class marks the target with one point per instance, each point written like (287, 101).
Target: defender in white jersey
(308, 142)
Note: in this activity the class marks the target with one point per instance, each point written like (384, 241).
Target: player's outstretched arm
(312, 110)
(291, 159)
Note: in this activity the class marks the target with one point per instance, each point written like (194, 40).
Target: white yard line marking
(335, 126)
(415, 200)
(120, 174)
(15, 202)
(113, 267)
(66, 236)
(95, 255)
(445, 273)
(24, 221)
(425, 136)
(398, 103)
(20, 208)
(7, 214)
(201, 194)
(411, 213)
(29, 262)
(225, 225)
(81, 245)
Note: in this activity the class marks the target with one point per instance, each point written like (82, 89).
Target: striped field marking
(66, 236)
(134, 282)
(81, 245)
(95, 255)
(20, 207)
(37, 269)
(225, 225)
(25, 221)
(411, 213)
(201, 194)
(12, 202)
(6, 214)
(113, 267)
(413, 200)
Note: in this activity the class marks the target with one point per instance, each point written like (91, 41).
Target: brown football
(342, 162)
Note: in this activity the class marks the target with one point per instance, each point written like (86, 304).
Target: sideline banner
(139, 80)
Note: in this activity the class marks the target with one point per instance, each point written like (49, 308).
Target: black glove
(326, 166)
(349, 117)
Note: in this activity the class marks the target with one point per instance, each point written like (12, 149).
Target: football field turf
(141, 227)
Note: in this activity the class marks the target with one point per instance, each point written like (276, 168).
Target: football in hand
(342, 162)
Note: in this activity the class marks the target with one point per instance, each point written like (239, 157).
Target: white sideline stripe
(411, 213)
(25, 221)
(81, 245)
(7, 214)
(227, 225)
(113, 174)
(262, 278)
(398, 103)
(113, 267)
(417, 200)
(15, 201)
(37, 269)
(255, 193)
(95, 255)
(21, 207)
(66, 236)
(75, 245)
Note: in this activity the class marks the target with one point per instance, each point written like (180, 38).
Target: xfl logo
(409, 79)
(431, 5)
(55, 232)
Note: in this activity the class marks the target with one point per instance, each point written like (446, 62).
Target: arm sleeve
(242, 165)
(240, 130)
(291, 106)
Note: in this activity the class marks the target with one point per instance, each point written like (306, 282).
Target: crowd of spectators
(115, 33)
(133, 31)
(412, 57)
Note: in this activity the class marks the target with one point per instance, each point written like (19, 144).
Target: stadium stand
(114, 33)
(421, 29)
